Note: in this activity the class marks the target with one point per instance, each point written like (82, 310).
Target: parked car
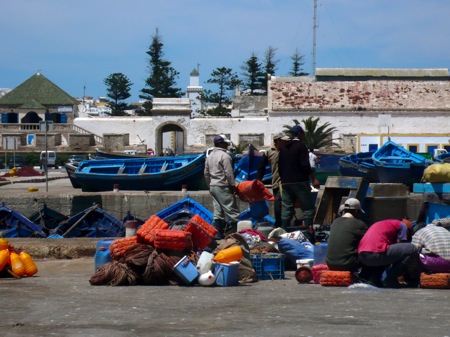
(76, 159)
(51, 161)
(16, 161)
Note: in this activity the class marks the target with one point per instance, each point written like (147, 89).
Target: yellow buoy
(33, 189)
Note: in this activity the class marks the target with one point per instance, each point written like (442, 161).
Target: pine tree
(270, 66)
(253, 75)
(297, 64)
(226, 80)
(118, 89)
(162, 80)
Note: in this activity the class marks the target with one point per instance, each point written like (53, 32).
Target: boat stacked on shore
(391, 163)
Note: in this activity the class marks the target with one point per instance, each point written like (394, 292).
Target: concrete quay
(59, 301)
(62, 197)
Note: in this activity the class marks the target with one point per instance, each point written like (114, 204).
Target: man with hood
(219, 177)
(296, 176)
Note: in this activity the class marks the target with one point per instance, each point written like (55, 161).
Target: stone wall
(286, 94)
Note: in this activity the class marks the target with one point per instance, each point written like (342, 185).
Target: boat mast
(314, 39)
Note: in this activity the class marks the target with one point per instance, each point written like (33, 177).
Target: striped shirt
(433, 239)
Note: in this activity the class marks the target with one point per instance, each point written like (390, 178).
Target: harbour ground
(59, 301)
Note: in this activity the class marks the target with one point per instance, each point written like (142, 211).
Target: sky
(76, 44)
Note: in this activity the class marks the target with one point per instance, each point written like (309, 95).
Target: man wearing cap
(386, 245)
(345, 234)
(271, 158)
(296, 176)
(219, 177)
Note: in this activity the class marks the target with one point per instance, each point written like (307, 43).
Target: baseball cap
(352, 203)
(221, 139)
(296, 129)
(279, 136)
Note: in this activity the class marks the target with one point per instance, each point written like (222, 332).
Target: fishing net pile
(148, 257)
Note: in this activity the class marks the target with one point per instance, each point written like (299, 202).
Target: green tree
(270, 66)
(118, 89)
(162, 79)
(226, 81)
(297, 64)
(316, 136)
(253, 76)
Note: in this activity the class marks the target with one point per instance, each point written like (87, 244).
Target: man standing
(313, 160)
(271, 159)
(219, 177)
(296, 174)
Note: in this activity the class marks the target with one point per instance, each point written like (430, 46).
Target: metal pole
(46, 157)
(314, 39)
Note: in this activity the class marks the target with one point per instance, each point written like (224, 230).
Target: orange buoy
(228, 255)
(4, 258)
(28, 263)
(17, 266)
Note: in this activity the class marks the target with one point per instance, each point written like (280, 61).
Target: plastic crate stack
(268, 266)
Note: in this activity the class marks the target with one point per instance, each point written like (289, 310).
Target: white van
(51, 159)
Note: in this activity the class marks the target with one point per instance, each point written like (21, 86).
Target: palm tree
(316, 136)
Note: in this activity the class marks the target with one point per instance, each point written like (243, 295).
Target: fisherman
(296, 177)
(386, 244)
(271, 158)
(219, 177)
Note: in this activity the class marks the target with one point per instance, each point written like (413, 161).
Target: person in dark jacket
(296, 176)
(270, 158)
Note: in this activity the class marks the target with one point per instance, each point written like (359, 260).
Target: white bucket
(207, 279)
(244, 224)
(205, 262)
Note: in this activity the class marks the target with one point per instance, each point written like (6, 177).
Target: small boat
(246, 168)
(185, 209)
(358, 165)
(47, 218)
(328, 166)
(13, 225)
(93, 222)
(70, 169)
(394, 164)
(140, 174)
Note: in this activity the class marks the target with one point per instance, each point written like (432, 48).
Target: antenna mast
(314, 39)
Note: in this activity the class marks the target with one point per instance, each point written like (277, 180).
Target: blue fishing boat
(185, 209)
(246, 167)
(140, 174)
(13, 225)
(93, 222)
(395, 164)
(47, 218)
(358, 165)
(99, 154)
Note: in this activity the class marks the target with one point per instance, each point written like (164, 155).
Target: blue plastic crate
(268, 266)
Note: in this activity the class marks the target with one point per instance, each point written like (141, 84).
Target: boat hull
(103, 175)
(358, 165)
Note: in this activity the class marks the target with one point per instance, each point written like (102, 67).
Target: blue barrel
(102, 254)
(320, 253)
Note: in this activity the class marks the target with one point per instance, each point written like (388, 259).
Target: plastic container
(228, 255)
(207, 279)
(102, 253)
(205, 262)
(226, 274)
(268, 266)
(130, 228)
(320, 253)
(186, 270)
(304, 275)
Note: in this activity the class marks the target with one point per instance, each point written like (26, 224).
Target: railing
(17, 127)
(98, 139)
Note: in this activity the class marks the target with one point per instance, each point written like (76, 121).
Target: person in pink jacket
(386, 244)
